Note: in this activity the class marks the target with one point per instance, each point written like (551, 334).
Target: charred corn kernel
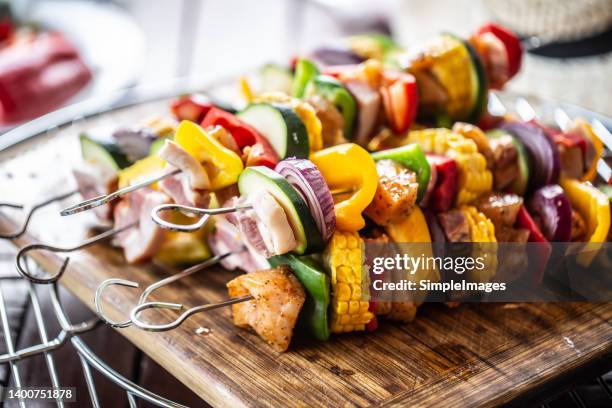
(474, 178)
(482, 234)
(478, 136)
(350, 296)
(452, 67)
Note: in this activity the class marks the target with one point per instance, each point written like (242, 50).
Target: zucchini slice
(304, 227)
(281, 126)
(480, 84)
(102, 155)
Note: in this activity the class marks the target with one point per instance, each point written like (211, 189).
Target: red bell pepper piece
(261, 153)
(512, 44)
(544, 249)
(443, 194)
(191, 107)
(400, 99)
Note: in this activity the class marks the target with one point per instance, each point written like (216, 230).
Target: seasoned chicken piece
(278, 299)
(505, 162)
(93, 181)
(179, 189)
(273, 223)
(331, 119)
(178, 157)
(396, 193)
(226, 238)
(455, 226)
(501, 209)
(139, 243)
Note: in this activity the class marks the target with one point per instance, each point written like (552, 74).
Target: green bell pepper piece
(410, 156)
(305, 71)
(331, 89)
(313, 317)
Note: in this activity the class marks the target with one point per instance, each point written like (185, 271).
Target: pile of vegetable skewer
(326, 157)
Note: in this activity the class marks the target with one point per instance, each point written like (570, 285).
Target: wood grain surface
(476, 354)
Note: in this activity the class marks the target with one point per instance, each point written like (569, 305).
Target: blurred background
(128, 42)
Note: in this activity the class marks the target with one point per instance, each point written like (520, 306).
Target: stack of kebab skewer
(327, 155)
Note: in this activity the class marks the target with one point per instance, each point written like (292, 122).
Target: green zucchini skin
(331, 89)
(481, 96)
(302, 223)
(102, 153)
(281, 126)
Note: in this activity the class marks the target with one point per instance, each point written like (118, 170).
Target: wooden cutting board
(475, 354)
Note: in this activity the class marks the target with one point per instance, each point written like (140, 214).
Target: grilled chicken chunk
(502, 210)
(455, 226)
(273, 223)
(93, 181)
(226, 238)
(188, 187)
(505, 162)
(179, 189)
(396, 193)
(331, 119)
(178, 157)
(278, 299)
(139, 243)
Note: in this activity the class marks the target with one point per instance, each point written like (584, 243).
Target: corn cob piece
(482, 234)
(350, 294)
(474, 178)
(451, 65)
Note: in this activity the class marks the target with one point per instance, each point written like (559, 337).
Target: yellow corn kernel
(349, 297)
(474, 178)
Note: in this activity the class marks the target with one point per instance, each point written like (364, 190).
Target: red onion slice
(551, 209)
(307, 180)
(544, 153)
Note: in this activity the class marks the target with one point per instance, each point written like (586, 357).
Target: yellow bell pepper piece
(349, 170)
(586, 129)
(222, 165)
(182, 248)
(592, 204)
(413, 230)
(142, 169)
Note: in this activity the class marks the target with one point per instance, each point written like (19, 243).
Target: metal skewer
(150, 289)
(204, 212)
(134, 315)
(22, 229)
(104, 199)
(56, 276)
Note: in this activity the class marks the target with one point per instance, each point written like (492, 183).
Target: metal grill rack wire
(70, 332)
